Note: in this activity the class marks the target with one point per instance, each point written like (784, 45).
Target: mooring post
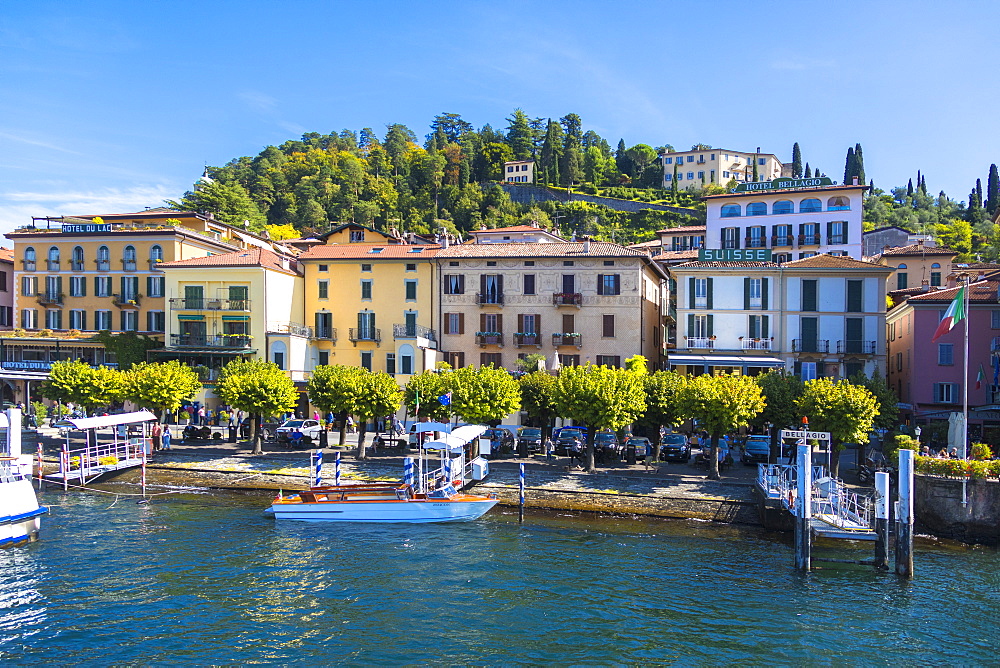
(882, 521)
(520, 508)
(317, 458)
(803, 509)
(64, 466)
(336, 470)
(41, 464)
(143, 472)
(904, 516)
(408, 471)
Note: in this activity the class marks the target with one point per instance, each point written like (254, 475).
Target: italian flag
(981, 377)
(955, 312)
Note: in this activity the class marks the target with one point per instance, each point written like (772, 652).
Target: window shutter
(97, 285)
(59, 286)
(600, 284)
(691, 292)
(708, 302)
(722, 241)
(500, 322)
(124, 283)
(482, 322)
(149, 285)
(520, 322)
(538, 324)
(763, 293)
(798, 369)
(482, 284)
(764, 326)
(499, 285)
(829, 231)
(711, 328)
(846, 239)
(746, 294)
(461, 323)
(690, 331)
(754, 333)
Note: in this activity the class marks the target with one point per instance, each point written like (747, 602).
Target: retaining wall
(938, 509)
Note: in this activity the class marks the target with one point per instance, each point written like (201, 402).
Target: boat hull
(411, 511)
(19, 512)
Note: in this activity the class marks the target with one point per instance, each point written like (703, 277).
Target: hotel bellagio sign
(782, 184)
(734, 255)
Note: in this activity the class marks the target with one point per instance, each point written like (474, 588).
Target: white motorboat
(19, 510)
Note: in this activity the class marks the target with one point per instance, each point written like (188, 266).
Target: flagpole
(965, 382)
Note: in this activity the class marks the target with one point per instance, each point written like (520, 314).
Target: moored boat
(19, 510)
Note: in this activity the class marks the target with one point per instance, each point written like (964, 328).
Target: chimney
(284, 263)
(886, 247)
(925, 285)
(920, 242)
(586, 244)
(855, 181)
(444, 240)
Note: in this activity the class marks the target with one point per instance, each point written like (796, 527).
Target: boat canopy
(454, 441)
(421, 427)
(111, 420)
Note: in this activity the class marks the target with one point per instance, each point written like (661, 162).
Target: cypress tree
(808, 173)
(796, 161)
(849, 166)
(923, 185)
(859, 164)
(620, 158)
(979, 193)
(993, 191)
(909, 188)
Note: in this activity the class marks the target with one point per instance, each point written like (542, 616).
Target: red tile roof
(253, 257)
(682, 229)
(985, 292)
(917, 249)
(356, 251)
(741, 264)
(513, 228)
(826, 261)
(567, 249)
(6, 254)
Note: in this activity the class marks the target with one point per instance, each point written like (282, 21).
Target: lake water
(200, 578)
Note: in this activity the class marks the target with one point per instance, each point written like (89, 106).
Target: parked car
(267, 425)
(532, 436)
(641, 445)
(675, 448)
(310, 431)
(565, 436)
(756, 449)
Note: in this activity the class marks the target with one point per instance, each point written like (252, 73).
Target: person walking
(576, 452)
(156, 435)
(165, 438)
(201, 415)
(350, 424)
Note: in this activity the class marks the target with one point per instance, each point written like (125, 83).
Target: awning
(235, 318)
(723, 360)
(190, 317)
(111, 420)
(454, 441)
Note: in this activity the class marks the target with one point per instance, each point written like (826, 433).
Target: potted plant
(224, 418)
(183, 417)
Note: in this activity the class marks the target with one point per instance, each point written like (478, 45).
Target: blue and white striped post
(336, 470)
(447, 468)
(520, 510)
(317, 466)
(408, 471)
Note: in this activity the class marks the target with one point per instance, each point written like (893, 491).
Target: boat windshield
(445, 492)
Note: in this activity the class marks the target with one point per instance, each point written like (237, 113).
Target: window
(130, 287)
(366, 289)
(357, 236)
(366, 267)
(53, 263)
(491, 322)
(53, 319)
(102, 286)
(324, 325)
(128, 258)
(376, 250)
(454, 284)
(103, 259)
(155, 321)
(755, 237)
(701, 175)
(901, 280)
(936, 275)
(454, 323)
(529, 284)
(670, 161)
(690, 175)
(730, 237)
(995, 319)
(366, 359)
(609, 284)
(155, 254)
(725, 174)
(809, 235)
(668, 177)
(3, 281)
(406, 360)
(390, 363)
(130, 321)
(569, 360)
(78, 288)
(761, 161)
(411, 266)
(836, 232)
(491, 289)
(77, 258)
(757, 209)
(899, 361)
(102, 320)
(809, 286)
(487, 359)
(608, 326)
(758, 327)
(29, 286)
(808, 371)
(690, 158)
(754, 288)
(455, 360)
(783, 206)
(528, 323)
(29, 259)
(945, 393)
(854, 296)
(838, 204)
(324, 357)
(155, 286)
(782, 235)
(698, 326)
(324, 289)
(810, 205)
(411, 291)
(568, 263)
(700, 292)
(946, 354)
(609, 360)
(29, 318)
(366, 325)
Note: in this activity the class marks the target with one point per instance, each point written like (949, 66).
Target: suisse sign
(88, 228)
(734, 254)
(782, 184)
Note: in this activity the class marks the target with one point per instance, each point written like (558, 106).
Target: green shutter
(690, 292)
(798, 369)
(709, 293)
(829, 231)
(711, 327)
(764, 322)
(690, 331)
(846, 238)
(746, 294)
(753, 333)
(763, 294)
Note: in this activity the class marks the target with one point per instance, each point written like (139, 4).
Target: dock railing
(87, 460)
(842, 507)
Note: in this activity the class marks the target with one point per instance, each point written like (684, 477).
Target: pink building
(927, 377)
(6, 288)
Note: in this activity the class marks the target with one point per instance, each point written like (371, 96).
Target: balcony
(754, 242)
(489, 338)
(413, 331)
(231, 341)
(29, 265)
(808, 240)
(857, 347)
(567, 339)
(702, 342)
(756, 344)
(103, 265)
(489, 298)
(810, 346)
(325, 333)
(838, 239)
(127, 300)
(52, 265)
(567, 299)
(370, 335)
(780, 242)
(202, 304)
(155, 262)
(77, 266)
(292, 328)
(128, 265)
(50, 299)
(522, 339)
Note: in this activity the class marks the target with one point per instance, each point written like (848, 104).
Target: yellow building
(372, 301)
(88, 274)
(916, 265)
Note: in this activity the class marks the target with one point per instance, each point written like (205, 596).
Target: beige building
(519, 171)
(694, 169)
(572, 302)
(916, 265)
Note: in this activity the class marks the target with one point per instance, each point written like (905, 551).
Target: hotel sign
(86, 228)
(782, 184)
(734, 254)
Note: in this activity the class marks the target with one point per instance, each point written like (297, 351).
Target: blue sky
(113, 106)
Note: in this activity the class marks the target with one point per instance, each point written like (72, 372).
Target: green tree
(79, 383)
(641, 156)
(796, 161)
(128, 348)
(520, 136)
(845, 410)
(378, 396)
(956, 235)
(599, 397)
(334, 389)
(483, 395)
(808, 172)
(662, 409)
(161, 386)
(887, 417)
(859, 165)
(781, 391)
(992, 191)
(721, 404)
(552, 151)
(850, 168)
(421, 396)
(536, 397)
(258, 387)
(230, 202)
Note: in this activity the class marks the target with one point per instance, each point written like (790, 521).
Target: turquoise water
(199, 579)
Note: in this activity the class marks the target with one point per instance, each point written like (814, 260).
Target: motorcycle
(874, 463)
(193, 432)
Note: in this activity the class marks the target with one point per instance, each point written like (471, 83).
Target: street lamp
(916, 432)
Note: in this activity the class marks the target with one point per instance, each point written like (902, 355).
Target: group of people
(943, 453)
(214, 417)
(160, 436)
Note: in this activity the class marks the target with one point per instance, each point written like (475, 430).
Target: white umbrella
(555, 366)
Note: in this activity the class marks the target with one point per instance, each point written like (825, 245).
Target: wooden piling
(882, 521)
(803, 509)
(904, 516)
